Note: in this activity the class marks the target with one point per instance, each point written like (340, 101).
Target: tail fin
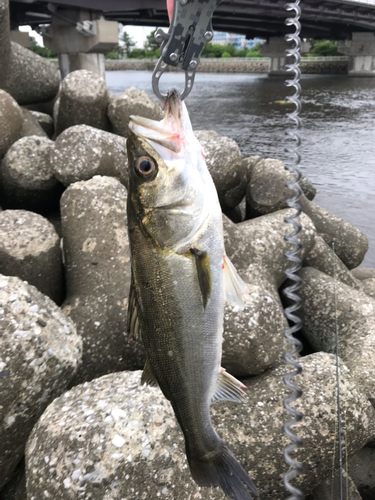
(223, 469)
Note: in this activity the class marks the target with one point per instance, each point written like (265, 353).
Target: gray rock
(368, 287)
(253, 338)
(351, 244)
(45, 121)
(40, 352)
(308, 188)
(330, 489)
(249, 165)
(41, 76)
(98, 274)
(226, 166)
(82, 152)
(83, 100)
(31, 125)
(27, 175)
(257, 247)
(361, 468)
(266, 191)
(235, 214)
(112, 438)
(324, 259)
(355, 322)
(15, 489)
(4, 41)
(131, 102)
(11, 120)
(363, 273)
(30, 249)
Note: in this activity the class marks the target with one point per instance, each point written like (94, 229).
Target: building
(239, 41)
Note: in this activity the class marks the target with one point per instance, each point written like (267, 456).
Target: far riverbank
(309, 65)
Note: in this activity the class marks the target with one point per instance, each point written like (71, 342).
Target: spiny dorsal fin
(228, 388)
(133, 327)
(233, 284)
(148, 377)
(202, 261)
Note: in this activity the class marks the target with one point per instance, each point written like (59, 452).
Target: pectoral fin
(233, 284)
(228, 388)
(148, 378)
(202, 261)
(133, 327)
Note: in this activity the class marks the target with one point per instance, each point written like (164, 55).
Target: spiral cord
(292, 255)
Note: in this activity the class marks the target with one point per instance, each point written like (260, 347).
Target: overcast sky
(138, 33)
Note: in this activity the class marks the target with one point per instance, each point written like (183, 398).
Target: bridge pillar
(80, 39)
(361, 52)
(275, 48)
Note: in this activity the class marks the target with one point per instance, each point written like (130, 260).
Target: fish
(181, 278)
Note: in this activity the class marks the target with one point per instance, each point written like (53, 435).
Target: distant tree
(127, 42)
(116, 52)
(41, 51)
(324, 48)
(151, 44)
(254, 51)
(226, 55)
(137, 54)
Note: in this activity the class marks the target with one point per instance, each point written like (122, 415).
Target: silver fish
(180, 275)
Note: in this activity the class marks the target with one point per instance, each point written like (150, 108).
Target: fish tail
(223, 469)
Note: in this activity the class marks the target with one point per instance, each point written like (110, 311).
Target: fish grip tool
(190, 30)
(292, 256)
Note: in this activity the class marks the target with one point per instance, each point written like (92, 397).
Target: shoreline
(313, 65)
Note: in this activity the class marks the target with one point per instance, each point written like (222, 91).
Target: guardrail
(243, 59)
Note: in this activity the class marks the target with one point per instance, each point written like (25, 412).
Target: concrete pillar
(80, 39)
(361, 52)
(81, 60)
(275, 48)
(21, 37)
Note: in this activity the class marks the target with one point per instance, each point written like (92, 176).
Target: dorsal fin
(233, 284)
(148, 377)
(228, 388)
(202, 262)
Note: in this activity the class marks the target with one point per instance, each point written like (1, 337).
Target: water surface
(338, 135)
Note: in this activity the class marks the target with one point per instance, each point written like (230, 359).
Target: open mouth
(167, 132)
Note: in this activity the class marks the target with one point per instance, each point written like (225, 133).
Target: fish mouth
(168, 133)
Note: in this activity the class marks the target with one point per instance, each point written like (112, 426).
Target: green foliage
(151, 45)
(217, 50)
(127, 42)
(117, 52)
(254, 51)
(41, 51)
(324, 48)
(137, 54)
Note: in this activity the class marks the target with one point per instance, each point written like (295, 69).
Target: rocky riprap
(65, 275)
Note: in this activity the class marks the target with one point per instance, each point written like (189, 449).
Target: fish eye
(145, 166)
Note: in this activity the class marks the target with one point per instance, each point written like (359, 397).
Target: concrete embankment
(332, 65)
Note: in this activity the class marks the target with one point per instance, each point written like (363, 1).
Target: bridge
(351, 21)
(330, 19)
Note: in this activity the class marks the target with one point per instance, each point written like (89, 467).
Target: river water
(338, 134)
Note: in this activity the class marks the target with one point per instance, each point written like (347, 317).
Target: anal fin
(233, 284)
(148, 378)
(228, 388)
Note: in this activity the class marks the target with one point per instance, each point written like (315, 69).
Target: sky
(138, 33)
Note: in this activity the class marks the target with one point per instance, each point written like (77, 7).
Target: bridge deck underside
(254, 18)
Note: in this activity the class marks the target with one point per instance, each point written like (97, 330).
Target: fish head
(166, 175)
